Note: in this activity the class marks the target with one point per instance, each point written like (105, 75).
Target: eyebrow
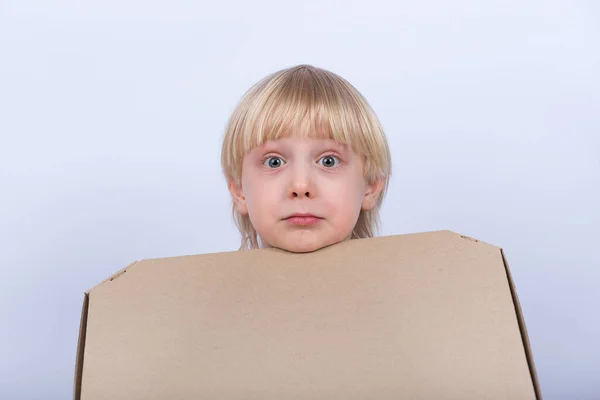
(341, 145)
(271, 145)
(267, 146)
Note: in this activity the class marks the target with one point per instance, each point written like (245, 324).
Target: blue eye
(329, 161)
(273, 162)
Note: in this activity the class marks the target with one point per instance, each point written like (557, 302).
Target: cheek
(260, 197)
(344, 196)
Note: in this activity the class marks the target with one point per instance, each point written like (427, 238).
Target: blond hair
(306, 101)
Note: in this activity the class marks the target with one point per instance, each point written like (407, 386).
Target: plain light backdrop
(112, 113)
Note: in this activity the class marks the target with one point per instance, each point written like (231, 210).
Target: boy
(306, 161)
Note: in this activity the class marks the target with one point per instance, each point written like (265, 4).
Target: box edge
(80, 348)
(522, 329)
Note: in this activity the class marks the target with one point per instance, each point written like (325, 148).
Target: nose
(300, 193)
(301, 183)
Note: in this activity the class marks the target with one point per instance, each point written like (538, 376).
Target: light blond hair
(306, 102)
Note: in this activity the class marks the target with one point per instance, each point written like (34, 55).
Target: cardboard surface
(419, 316)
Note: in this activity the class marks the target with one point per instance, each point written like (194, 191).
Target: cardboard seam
(115, 276)
(522, 329)
(469, 238)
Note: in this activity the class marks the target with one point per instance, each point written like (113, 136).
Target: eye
(273, 162)
(329, 161)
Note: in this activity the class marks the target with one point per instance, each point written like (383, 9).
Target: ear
(372, 192)
(237, 195)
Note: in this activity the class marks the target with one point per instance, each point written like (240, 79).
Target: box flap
(419, 316)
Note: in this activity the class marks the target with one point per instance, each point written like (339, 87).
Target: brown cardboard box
(420, 316)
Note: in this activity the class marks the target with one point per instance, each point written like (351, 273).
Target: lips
(303, 219)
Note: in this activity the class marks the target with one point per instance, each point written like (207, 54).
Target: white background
(112, 112)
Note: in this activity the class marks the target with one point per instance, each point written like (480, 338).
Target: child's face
(303, 194)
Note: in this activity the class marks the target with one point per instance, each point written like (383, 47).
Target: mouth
(303, 219)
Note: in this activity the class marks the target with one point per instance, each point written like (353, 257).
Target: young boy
(306, 162)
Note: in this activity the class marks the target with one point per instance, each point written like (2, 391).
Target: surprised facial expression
(303, 194)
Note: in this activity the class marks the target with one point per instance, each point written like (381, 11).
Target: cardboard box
(419, 316)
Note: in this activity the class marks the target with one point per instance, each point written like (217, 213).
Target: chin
(300, 247)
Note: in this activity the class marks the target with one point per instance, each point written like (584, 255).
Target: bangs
(302, 102)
